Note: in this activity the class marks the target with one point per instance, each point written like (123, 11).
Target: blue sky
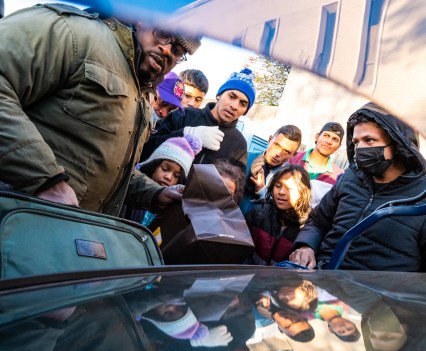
(217, 60)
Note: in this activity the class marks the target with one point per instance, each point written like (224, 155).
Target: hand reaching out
(304, 256)
(170, 194)
(61, 193)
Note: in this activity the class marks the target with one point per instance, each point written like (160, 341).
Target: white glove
(219, 336)
(211, 137)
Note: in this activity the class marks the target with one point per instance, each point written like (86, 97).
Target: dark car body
(110, 310)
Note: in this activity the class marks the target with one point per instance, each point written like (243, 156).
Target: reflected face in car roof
(296, 298)
(167, 312)
(290, 323)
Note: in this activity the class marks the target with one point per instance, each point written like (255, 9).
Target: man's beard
(140, 57)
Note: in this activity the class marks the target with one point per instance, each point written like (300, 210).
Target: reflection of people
(385, 165)
(74, 109)
(172, 316)
(382, 329)
(343, 328)
(298, 296)
(275, 223)
(178, 321)
(393, 323)
(294, 325)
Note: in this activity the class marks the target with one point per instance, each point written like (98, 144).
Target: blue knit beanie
(241, 81)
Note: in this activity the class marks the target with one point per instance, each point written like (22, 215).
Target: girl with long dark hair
(276, 221)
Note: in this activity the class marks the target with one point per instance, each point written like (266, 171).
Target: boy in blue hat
(215, 124)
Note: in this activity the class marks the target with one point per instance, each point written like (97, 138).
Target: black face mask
(371, 160)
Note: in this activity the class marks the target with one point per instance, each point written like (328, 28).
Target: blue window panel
(268, 35)
(324, 58)
(370, 56)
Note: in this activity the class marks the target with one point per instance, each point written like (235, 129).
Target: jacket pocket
(100, 98)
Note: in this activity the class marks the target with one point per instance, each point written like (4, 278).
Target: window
(326, 37)
(268, 35)
(370, 57)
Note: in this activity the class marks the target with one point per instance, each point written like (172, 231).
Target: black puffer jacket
(392, 244)
(272, 241)
(233, 147)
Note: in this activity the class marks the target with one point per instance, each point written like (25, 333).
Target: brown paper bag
(207, 227)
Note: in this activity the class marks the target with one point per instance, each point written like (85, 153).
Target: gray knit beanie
(190, 44)
(181, 150)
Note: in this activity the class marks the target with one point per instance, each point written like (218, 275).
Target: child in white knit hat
(168, 165)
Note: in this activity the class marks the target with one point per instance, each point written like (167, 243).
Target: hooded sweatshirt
(391, 244)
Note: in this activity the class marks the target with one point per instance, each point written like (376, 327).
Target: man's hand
(170, 194)
(304, 256)
(259, 181)
(61, 193)
(257, 165)
(211, 137)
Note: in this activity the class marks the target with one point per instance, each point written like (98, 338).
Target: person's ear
(217, 97)
(270, 138)
(316, 137)
(138, 27)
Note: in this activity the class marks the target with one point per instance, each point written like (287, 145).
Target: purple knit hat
(171, 90)
(181, 150)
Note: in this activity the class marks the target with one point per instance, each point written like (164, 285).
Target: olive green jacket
(70, 102)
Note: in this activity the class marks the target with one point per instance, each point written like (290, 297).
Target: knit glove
(257, 165)
(211, 137)
(219, 336)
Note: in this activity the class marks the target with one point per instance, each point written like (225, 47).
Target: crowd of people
(93, 116)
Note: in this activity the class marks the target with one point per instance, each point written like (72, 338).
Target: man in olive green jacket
(73, 109)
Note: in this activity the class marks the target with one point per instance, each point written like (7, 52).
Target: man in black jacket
(385, 165)
(215, 124)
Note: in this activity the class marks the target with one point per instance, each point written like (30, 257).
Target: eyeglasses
(177, 53)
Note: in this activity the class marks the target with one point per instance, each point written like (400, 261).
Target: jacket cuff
(154, 201)
(52, 182)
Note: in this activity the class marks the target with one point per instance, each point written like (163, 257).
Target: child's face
(193, 97)
(230, 184)
(167, 173)
(285, 192)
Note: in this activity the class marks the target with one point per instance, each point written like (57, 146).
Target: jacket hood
(405, 138)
